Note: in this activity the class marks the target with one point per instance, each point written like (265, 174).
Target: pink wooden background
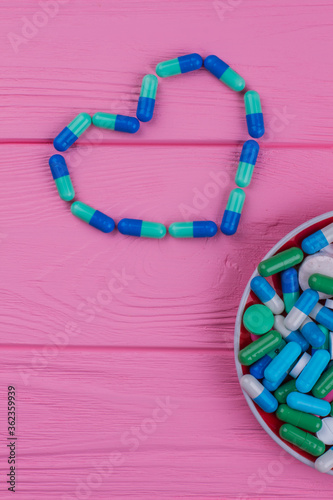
(98, 333)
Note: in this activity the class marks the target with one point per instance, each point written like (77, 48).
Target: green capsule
(321, 283)
(257, 349)
(302, 439)
(280, 262)
(258, 319)
(282, 392)
(299, 419)
(324, 384)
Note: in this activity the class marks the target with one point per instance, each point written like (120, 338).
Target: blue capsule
(182, 64)
(246, 164)
(258, 368)
(233, 211)
(61, 177)
(72, 132)
(146, 103)
(223, 72)
(266, 293)
(120, 123)
(290, 288)
(312, 371)
(308, 404)
(318, 240)
(141, 228)
(302, 308)
(93, 217)
(258, 393)
(312, 333)
(283, 361)
(272, 386)
(323, 315)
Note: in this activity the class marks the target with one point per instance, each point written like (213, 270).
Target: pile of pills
(145, 111)
(289, 360)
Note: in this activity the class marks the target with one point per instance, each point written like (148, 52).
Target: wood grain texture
(99, 331)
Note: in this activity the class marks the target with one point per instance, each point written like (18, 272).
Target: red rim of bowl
(269, 421)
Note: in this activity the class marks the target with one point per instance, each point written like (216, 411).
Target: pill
(254, 116)
(258, 368)
(120, 123)
(273, 386)
(223, 72)
(321, 283)
(302, 308)
(325, 462)
(313, 370)
(319, 263)
(329, 303)
(322, 315)
(266, 293)
(299, 419)
(308, 404)
(302, 439)
(290, 288)
(233, 211)
(246, 164)
(280, 262)
(283, 361)
(196, 229)
(282, 392)
(138, 227)
(182, 64)
(318, 240)
(72, 132)
(257, 392)
(288, 335)
(61, 177)
(300, 365)
(325, 433)
(257, 349)
(312, 333)
(93, 217)
(146, 103)
(324, 385)
(327, 344)
(258, 319)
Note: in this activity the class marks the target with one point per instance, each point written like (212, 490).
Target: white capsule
(276, 304)
(294, 319)
(326, 432)
(324, 463)
(329, 303)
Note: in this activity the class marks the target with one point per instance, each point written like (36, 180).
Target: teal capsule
(93, 217)
(141, 228)
(254, 116)
(246, 164)
(196, 229)
(232, 213)
(72, 132)
(224, 73)
(119, 123)
(61, 177)
(146, 103)
(182, 64)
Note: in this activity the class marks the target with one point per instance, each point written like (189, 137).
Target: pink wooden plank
(87, 407)
(125, 291)
(92, 57)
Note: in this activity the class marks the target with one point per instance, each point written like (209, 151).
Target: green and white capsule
(232, 213)
(61, 177)
(223, 72)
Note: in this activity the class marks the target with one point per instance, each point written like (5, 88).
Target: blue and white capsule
(282, 363)
(182, 64)
(266, 293)
(61, 177)
(246, 164)
(290, 288)
(302, 308)
(72, 132)
(322, 315)
(258, 368)
(258, 393)
(324, 463)
(233, 211)
(119, 123)
(308, 404)
(311, 373)
(223, 72)
(312, 333)
(318, 240)
(288, 335)
(146, 103)
(300, 365)
(254, 116)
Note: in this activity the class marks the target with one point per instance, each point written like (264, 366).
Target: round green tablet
(258, 319)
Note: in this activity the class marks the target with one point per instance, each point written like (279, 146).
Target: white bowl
(267, 420)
